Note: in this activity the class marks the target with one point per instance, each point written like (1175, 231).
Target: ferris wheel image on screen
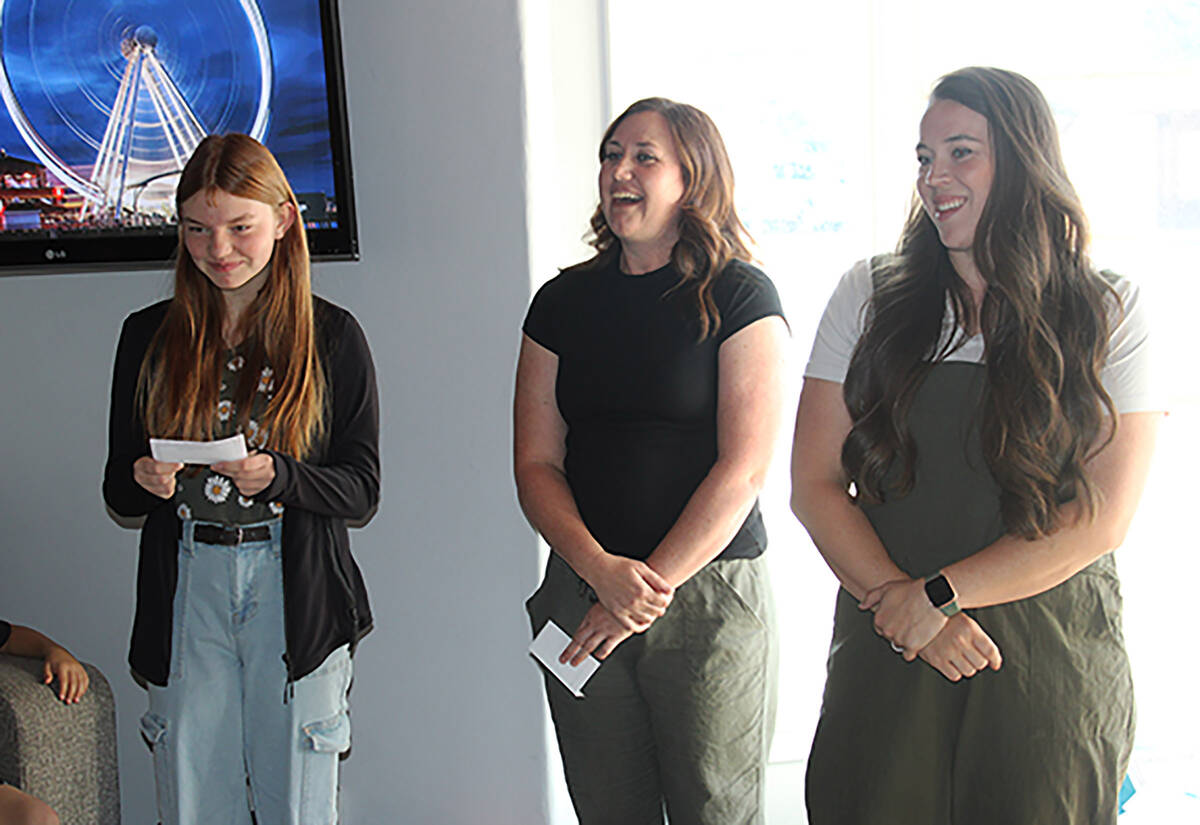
(112, 96)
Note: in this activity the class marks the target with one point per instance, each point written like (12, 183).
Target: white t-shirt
(1127, 374)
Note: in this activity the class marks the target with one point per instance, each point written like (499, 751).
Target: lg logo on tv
(56, 254)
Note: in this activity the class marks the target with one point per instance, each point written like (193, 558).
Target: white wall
(447, 709)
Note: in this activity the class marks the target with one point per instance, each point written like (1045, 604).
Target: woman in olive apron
(972, 439)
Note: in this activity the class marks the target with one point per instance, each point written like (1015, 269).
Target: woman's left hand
(962, 649)
(251, 475)
(904, 615)
(598, 633)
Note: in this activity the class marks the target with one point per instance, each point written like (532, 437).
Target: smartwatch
(941, 594)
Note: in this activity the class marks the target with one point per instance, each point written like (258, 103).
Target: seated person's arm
(19, 808)
(58, 663)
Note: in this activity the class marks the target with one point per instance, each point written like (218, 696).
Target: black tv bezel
(105, 251)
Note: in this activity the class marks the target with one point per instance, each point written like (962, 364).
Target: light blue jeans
(226, 733)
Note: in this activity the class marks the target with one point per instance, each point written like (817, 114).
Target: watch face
(939, 591)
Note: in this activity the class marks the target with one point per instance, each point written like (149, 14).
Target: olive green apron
(1046, 739)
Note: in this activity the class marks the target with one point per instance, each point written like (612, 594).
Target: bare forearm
(844, 537)
(1015, 568)
(749, 405)
(57, 661)
(630, 590)
(549, 505)
(25, 641)
(713, 515)
(820, 497)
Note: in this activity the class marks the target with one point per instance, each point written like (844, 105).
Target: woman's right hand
(156, 476)
(961, 649)
(598, 634)
(631, 591)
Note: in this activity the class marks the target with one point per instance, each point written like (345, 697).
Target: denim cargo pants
(226, 732)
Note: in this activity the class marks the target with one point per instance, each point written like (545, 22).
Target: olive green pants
(680, 715)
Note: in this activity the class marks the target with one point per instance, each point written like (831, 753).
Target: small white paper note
(199, 452)
(548, 645)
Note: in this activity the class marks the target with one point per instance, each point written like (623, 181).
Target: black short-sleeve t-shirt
(638, 392)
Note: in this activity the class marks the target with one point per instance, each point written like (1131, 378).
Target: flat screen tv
(104, 101)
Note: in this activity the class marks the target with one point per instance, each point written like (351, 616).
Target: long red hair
(180, 380)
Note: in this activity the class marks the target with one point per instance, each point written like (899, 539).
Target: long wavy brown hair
(180, 376)
(710, 232)
(1044, 320)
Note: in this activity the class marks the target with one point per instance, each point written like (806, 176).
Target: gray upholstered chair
(63, 755)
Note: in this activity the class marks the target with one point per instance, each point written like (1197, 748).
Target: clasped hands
(956, 647)
(251, 475)
(630, 596)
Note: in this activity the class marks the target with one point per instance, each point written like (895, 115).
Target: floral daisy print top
(203, 495)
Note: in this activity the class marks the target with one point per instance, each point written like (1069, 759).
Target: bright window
(819, 106)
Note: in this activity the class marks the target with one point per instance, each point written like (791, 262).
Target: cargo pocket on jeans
(322, 742)
(154, 733)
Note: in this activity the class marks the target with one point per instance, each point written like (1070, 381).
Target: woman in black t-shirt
(647, 404)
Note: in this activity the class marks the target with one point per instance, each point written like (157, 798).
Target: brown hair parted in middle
(710, 232)
(180, 377)
(1044, 319)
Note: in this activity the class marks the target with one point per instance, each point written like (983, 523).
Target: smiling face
(230, 238)
(956, 167)
(641, 187)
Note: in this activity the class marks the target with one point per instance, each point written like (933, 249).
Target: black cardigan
(325, 599)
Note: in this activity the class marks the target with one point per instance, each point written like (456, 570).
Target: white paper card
(199, 452)
(548, 645)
